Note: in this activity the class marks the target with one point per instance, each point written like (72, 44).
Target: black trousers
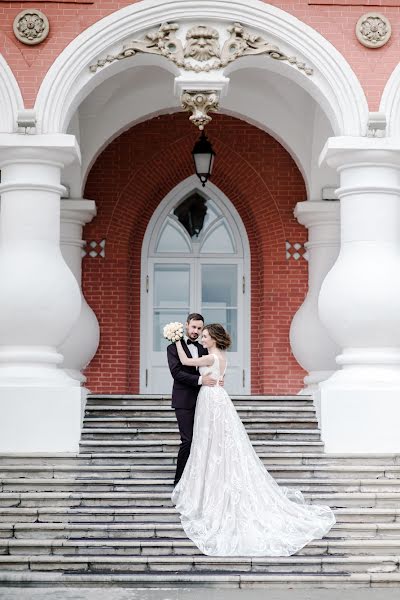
(185, 418)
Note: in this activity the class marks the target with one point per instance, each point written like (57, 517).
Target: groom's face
(194, 329)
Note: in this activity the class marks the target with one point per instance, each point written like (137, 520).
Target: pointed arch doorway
(195, 258)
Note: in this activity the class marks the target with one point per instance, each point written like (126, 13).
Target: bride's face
(206, 339)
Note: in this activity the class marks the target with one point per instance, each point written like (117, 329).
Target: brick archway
(129, 180)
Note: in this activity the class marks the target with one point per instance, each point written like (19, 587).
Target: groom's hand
(208, 380)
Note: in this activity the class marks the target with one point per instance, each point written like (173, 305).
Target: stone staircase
(104, 516)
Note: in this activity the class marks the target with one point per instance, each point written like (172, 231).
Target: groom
(187, 382)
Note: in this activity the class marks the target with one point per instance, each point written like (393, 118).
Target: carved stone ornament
(31, 26)
(373, 30)
(202, 43)
(200, 104)
(201, 51)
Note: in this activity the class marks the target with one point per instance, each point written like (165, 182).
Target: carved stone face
(202, 43)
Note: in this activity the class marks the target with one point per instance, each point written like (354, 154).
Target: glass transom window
(196, 226)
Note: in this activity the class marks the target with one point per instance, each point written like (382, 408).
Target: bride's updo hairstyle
(218, 333)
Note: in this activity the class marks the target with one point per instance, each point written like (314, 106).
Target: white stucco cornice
(333, 83)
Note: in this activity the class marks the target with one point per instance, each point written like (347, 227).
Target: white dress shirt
(194, 351)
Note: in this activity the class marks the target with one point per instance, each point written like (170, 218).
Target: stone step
(167, 530)
(124, 459)
(159, 514)
(203, 564)
(166, 484)
(131, 446)
(156, 499)
(121, 471)
(277, 458)
(207, 580)
(150, 421)
(174, 546)
(172, 433)
(163, 400)
(252, 411)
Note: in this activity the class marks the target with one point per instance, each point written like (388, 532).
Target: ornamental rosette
(31, 26)
(373, 30)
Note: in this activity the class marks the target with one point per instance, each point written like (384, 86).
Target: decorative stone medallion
(31, 26)
(373, 30)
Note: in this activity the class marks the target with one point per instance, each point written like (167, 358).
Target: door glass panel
(211, 214)
(161, 318)
(219, 297)
(171, 299)
(172, 239)
(171, 285)
(228, 319)
(219, 241)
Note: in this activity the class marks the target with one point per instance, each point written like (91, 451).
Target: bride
(229, 504)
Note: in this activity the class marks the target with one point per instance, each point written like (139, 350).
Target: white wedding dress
(229, 504)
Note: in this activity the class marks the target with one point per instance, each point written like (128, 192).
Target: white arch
(10, 98)
(176, 195)
(390, 103)
(69, 80)
(131, 107)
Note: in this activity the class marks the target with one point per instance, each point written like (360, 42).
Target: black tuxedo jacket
(185, 388)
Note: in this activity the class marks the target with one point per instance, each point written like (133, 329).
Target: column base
(76, 375)
(312, 381)
(360, 419)
(40, 419)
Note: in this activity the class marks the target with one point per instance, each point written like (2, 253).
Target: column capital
(77, 211)
(323, 212)
(347, 151)
(60, 148)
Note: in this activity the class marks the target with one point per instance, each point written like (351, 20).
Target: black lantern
(203, 158)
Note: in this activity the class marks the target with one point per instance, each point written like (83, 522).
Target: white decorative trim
(334, 84)
(94, 248)
(296, 251)
(10, 98)
(390, 103)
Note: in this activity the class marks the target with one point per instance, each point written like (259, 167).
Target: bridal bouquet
(173, 331)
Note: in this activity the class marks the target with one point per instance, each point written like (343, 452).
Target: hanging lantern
(203, 158)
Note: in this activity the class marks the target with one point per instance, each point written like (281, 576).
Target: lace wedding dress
(229, 504)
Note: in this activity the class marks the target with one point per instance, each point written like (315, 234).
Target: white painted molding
(390, 103)
(10, 98)
(334, 83)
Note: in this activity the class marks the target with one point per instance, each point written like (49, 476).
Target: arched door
(195, 261)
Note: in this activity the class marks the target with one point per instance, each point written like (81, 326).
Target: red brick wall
(335, 21)
(128, 181)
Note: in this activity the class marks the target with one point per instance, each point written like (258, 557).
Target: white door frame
(183, 189)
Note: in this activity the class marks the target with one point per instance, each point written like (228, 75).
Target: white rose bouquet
(173, 331)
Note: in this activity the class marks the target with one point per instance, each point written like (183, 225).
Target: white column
(359, 301)
(83, 340)
(311, 344)
(40, 405)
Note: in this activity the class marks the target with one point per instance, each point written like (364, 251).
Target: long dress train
(229, 504)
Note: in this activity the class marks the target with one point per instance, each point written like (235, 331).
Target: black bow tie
(189, 341)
